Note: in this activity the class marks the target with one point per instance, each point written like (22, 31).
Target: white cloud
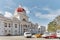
(51, 15)
(46, 8)
(8, 7)
(45, 16)
(8, 14)
(27, 10)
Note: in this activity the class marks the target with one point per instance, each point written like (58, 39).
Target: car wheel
(59, 37)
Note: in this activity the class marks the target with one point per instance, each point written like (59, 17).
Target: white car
(28, 34)
(58, 34)
(46, 35)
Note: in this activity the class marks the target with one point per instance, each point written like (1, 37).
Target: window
(5, 30)
(24, 30)
(9, 30)
(28, 25)
(5, 24)
(15, 31)
(25, 25)
(15, 25)
(28, 33)
(24, 20)
(9, 25)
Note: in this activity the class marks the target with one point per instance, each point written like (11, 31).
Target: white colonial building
(42, 29)
(18, 24)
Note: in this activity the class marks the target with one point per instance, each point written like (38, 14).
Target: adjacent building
(41, 29)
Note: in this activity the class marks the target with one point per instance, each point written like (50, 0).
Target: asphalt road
(22, 38)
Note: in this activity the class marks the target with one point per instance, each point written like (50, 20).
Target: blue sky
(39, 11)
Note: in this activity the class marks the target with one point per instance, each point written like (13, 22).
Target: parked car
(58, 34)
(27, 34)
(46, 35)
(53, 36)
(37, 36)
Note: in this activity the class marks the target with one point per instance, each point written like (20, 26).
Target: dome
(20, 9)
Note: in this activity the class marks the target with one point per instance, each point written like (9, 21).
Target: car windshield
(58, 31)
(27, 33)
(46, 33)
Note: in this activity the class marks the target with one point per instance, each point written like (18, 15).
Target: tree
(52, 26)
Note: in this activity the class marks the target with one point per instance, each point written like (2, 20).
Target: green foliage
(52, 26)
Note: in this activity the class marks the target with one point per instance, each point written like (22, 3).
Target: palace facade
(18, 24)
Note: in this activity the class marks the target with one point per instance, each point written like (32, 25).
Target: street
(22, 38)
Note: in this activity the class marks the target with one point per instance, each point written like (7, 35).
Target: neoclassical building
(18, 24)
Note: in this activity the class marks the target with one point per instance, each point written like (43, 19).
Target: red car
(50, 36)
(53, 36)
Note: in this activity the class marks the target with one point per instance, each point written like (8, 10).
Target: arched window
(24, 19)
